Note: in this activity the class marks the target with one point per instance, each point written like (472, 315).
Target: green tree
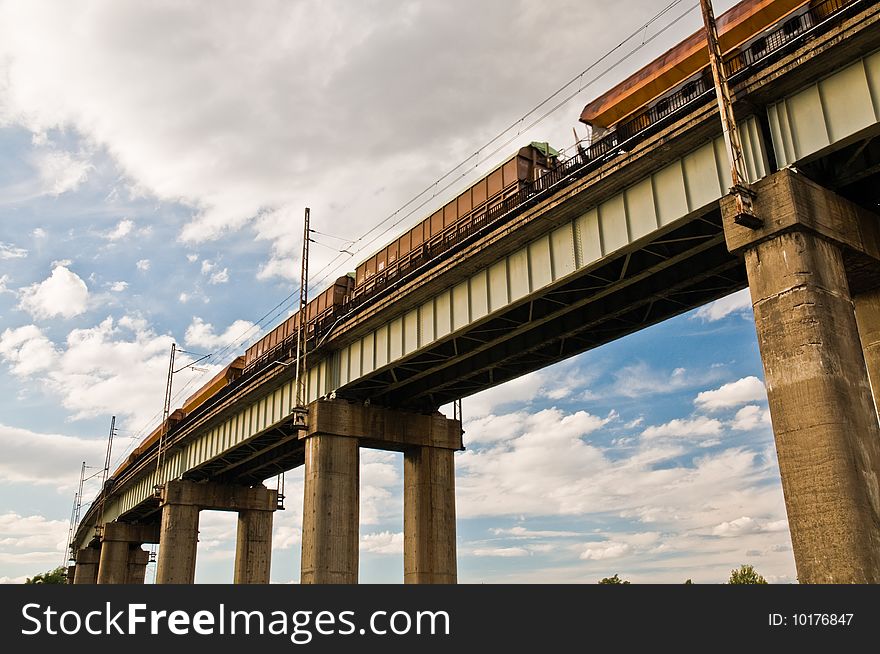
(746, 575)
(613, 580)
(56, 576)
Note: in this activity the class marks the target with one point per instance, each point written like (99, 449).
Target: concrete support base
(826, 428)
(137, 565)
(253, 549)
(113, 567)
(336, 429)
(178, 541)
(181, 502)
(87, 565)
(429, 516)
(330, 511)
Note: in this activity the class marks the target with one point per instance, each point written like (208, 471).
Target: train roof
(735, 26)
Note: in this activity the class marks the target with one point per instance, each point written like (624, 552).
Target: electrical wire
(434, 189)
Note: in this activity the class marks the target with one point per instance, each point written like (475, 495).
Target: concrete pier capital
(789, 201)
(218, 497)
(382, 428)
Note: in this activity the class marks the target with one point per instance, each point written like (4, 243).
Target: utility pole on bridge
(740, 190)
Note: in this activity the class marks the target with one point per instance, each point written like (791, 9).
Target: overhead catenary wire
(438, 187)
(327, 271)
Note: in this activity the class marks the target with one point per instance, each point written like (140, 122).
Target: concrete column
(113, 566)
(429, 553)
(868, 320)
(87, 565)
(137, 565)
(253, 548)
(178, 540)
(330, 510)
(827, 434)
(826, 427)
(71, 573)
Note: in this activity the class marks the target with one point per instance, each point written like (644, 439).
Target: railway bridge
(646, 231)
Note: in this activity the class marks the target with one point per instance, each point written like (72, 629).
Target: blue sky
(154, 163)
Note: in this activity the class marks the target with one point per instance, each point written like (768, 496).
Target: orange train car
(318, 310)
(736, 27)
(473, 206)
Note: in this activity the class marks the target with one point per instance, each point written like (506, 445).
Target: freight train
(751, 34)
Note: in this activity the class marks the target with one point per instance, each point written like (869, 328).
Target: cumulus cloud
(738, 302)
(746, 525)
(93, 364)
(118, 287)
(63, 294)
(240, 122)
(503, 552)
(31, 541)
(143, 264)
(750, 417)
(39, 232)
(10, 251)
(61, 171)
(742, 391)
(219, 276)
(45, 459)
(685, 428)
(27, 350)
(384, 542)
(202, 334)
(122, 229)
(605, 550)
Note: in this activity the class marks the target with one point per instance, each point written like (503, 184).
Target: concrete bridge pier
(336, 431)
(824, 420)
(87, 565)
(182, 500)
(253, 548)
(429, 516)
(122, 560)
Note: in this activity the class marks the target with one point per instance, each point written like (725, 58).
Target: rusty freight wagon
(321, 313)
(498, 192)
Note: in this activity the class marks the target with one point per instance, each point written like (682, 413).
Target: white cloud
(605, 550)
(201, 334)
(143, 264)
(10, 251)
(232, 123)
(503, 552)
(750, 417)
(384, 542)
(60, 171)
(62, 294)
(45, 459)
(746, 525)
(183, 298)
(88, 372)
(118, 287)
(742, 391)
(123, 228)
(685, 428)
(4, 280)
(520, 532)
(192, 258)
(219, 277)
(27, 350)
(640, 380)
(39, 232)
(31, 541)
(737, 302)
